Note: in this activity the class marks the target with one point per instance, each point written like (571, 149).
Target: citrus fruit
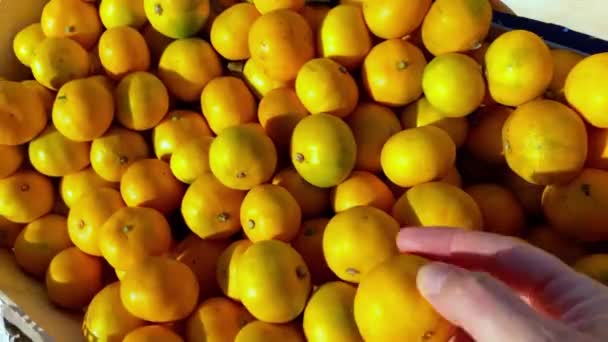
(130, 235)
(563, 62)
(344, 37)
(309, 243)
(83, 109)
(58, 61)
(281, 41)
(453, 177)
(46, 95)
(73, 278)
(528, 194)
(389, 293)
(392, 72)
(242, 157)
(114, 13)
(186, 66)
(594, 266)
(157, 42)
(88, 215)
(437, 204)
(25, 196)
(12, 158)
(106, 318)
(151, 333)
(22, 114)
(226, 102)
(53, 154)
(453, 84)
(519, 67)
(210, 209)
(142, 101)
(324, 86)
(176, 128)
(313, 201)
(26, 41)
(230, 30)
(323, 150)
(177, 19)
(362, 188)
(150, 183)
(270, 212)
(551, 241)
(422, 113)
(577, 208)
(484, 140)
(273, 280)
(39, 242)
(501, 211)
(228, 268)
(394, 18)
(123, 50)
(358, 239)
(586, 90)
(190, 160)
(259, 331)
(265, 6)
(314, 15)
(115, 151)
(202, 257)
(329, 314)
(159, 289)
(456, 25)
(597, 156)
(9, 231)
(279, 112)
(417, 155)
(545, 142)
(74, 19)
(259, 80)
(216, 319)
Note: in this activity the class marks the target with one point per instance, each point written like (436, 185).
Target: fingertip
(432, 277)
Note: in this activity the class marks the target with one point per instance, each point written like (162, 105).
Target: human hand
(497, 288)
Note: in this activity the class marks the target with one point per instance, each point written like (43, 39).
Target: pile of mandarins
(242, 169)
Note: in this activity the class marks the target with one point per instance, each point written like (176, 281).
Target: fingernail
(403, 239)
(431, 278)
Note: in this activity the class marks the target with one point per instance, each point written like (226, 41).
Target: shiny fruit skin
(217, 319)
(160, 290)
(586, 89)
(26, 41)
(228, 268)
(12, 158)
(362, 188)
(210, 209)
(437, 204)
(456, 25)
(545, 142)
(281, 41)
(564, 61)
(77, 20)
(418, 155)
(270, 212)
(39, 242)
(229, 31)
(259, 331)
(106, 318)
(130, 235)
(88, 215)
(329, 314)
(114, 13)
(274, 281)
(519, 67)
(344, 37)
(153, 333)
(357, 240)
(113, 153)
(26, 196)
(313, 201)
(242, 157)
(484, 140)
(190, 160)
(123, 50)
(150, 183)
(324, 86)
(265, 6)
(309, 243)
(83, 109)
(176, 128)
(453, 84)
(323, 150)
(177, 19)
(22, 114)
(502, 213)
(58, 61)
(142, 101)
(258, 79)
(392, 72)
(389, 293)
(73, 278)
(53, 154)
(186, 66)
(576, 209)
(394, 18)
(227, 102)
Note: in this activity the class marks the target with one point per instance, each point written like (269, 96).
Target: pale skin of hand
(498, 289)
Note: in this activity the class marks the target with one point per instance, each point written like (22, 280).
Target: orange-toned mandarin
(484, 140)
(259, 331)
(258, 79)
(217, 319)
(564, 61)
(150, 183)
(142, 101)
(585, 89)
(115, 13)
(279, 112)
(309, 243)
(229, 32)
(26, 41)
(12, 158)
(150, 333)
(362, 188)
(528, 194)
(597, 156)
(74, 19)
(190, 160)
(313, 201)
(228, 268)
(157, 42)
(75, 185)
(46, 95)
(9, 231)
(314, 15)
(177, 18)
(547, 238)
(52, 154)
(502, 213)
(58, 61)
(176, 128)
(123, 50)
(394, 18)
(265, 6)
(22, 114)
(226, 102)
(26, 196)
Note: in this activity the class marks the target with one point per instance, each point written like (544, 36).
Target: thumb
(484, 307)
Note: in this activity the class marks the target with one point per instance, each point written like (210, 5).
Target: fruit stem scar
(70, 29)
(127, 228)
(586, 189)
(62, 97)
(158, 9)
(428, 335)
(343, 70)
(402, 65)
(250, 224)
(123, 160)
(299, 157)
(24, 187)
(301, 272)
(241, 175)
(352, 271)
(223, 217)
(81, 224)
(476, 45)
